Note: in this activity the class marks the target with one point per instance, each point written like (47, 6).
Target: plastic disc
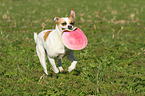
(74, 40)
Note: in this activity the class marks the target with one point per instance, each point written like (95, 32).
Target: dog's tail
(35, 36)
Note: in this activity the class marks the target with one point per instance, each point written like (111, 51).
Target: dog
(49, 42)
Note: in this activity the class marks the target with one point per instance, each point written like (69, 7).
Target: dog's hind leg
(42, 57)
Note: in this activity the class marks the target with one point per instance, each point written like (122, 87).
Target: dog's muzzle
(68, 30)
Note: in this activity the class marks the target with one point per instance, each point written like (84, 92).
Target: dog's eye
(72, 23)
(64, 23)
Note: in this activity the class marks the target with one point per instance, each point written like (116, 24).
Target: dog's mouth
(68, 30)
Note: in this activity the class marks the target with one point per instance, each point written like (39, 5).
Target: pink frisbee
(74, 40)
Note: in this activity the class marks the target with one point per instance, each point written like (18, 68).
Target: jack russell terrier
(49, 42)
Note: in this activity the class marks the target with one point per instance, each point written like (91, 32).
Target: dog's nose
(69, 27)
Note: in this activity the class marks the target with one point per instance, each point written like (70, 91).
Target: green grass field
(112, 64)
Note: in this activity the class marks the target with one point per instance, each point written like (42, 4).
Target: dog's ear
(72, 13)
(56, 19)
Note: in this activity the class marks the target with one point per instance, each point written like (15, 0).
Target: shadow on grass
(74, 72)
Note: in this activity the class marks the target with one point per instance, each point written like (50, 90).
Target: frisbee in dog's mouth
(74, 39)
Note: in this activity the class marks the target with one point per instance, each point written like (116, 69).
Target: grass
(113, 63)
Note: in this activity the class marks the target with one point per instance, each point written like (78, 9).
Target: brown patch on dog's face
(46, 35)
(60, 21)
(71, 20)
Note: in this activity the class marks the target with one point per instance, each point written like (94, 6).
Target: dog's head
(66, 23)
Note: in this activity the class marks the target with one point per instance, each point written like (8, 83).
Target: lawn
(112, 64)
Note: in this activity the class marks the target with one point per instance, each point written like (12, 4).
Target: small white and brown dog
(49, 42)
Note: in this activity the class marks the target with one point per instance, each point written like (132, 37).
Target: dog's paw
(64, 72)
(70, 68)
(46, 72)
(56, 70)
(61, 69)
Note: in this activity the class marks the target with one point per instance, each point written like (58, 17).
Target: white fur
(53, 47)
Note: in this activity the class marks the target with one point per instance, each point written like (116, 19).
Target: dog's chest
(66, 52)
(53, 44)
(56, 53)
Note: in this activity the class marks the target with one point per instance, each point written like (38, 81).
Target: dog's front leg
(52, 61)
(60, 66)
(72, 66)
(71, 57)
